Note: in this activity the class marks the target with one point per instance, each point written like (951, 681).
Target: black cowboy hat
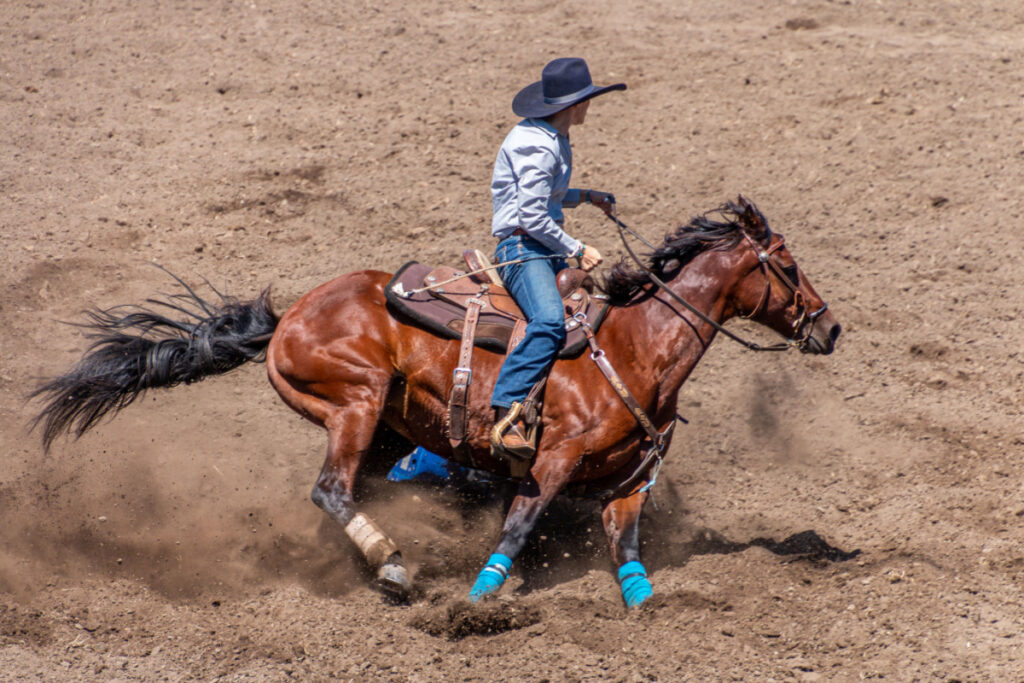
(563, 82)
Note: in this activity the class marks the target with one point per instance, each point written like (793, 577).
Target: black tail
(136, 348)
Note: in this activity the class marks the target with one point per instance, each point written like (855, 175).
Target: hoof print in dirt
(680, 601)
(461, 619)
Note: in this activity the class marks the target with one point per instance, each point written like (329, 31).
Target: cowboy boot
(510, 436)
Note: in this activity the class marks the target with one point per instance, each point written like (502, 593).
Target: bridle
(806, 320)
(802, 328)
(659, 440)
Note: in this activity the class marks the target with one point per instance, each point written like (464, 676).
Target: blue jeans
(532, 285)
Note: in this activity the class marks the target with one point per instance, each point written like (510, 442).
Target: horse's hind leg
(349, 436)
(332, 360)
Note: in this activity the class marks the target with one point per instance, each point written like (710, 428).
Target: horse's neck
(673, 339)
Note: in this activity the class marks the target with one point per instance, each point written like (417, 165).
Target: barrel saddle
(475, 307)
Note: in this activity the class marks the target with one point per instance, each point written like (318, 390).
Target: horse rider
(529, 189)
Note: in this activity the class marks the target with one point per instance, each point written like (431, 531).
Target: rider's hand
(590, 259)
(603, 200)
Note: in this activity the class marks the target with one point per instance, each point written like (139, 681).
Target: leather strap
(659, 440)
(601, 360)
(784, 346)
(462, 376)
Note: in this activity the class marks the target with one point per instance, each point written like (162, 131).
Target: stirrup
(524, 448)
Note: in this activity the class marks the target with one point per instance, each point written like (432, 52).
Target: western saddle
(475, 307)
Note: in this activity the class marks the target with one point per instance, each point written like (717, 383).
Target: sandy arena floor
(282, 142)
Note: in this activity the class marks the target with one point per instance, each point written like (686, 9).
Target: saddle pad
(446, 318)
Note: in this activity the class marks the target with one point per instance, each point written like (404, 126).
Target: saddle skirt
(436, 298)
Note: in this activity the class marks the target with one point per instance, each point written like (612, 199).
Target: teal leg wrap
(635, 586)
(491, 576)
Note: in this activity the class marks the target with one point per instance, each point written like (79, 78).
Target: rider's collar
(546, 127)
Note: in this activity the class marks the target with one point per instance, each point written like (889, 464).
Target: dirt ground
(282, 142)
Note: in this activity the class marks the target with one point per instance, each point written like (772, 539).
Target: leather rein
(654, 457)
(659, 440)
(805, 323)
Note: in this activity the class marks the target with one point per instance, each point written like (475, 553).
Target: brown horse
(343, 360)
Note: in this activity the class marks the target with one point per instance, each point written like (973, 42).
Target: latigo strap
(462, 376)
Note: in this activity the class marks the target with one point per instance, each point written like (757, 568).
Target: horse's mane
(720, 229)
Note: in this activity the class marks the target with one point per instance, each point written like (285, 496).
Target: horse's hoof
(393, 579)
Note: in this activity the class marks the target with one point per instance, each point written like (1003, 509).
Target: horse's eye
(792, 273)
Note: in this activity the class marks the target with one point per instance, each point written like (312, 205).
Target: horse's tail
(136, 348)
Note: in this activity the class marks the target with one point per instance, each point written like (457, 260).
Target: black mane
(720, 229)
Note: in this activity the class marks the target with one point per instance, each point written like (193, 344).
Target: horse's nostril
(834, 332)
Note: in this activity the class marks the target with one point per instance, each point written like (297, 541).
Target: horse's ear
(753, 222)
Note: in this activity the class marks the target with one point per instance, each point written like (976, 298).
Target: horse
(343, 359)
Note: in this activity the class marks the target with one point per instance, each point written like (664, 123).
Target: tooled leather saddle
(437, 297)
(475, 307)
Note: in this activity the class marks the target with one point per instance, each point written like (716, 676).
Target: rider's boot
(510, 433)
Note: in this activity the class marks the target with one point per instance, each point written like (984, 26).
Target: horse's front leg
(621, 517)
(547, 477)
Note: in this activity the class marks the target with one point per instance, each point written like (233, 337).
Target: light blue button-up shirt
(530, 185)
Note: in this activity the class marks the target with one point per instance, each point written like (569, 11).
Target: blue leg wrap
(491, 576)
(635, 586)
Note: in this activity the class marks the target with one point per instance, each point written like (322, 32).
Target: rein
(652, 460)
(764, 258)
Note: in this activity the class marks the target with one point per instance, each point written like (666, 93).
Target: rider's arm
(575, 196)
(534, 190)
(534, 168)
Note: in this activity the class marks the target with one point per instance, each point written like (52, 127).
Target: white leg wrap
(369, 538)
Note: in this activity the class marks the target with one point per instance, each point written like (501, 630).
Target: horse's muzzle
(822, 340)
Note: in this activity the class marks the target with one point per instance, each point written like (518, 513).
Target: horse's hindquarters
(334, 348)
